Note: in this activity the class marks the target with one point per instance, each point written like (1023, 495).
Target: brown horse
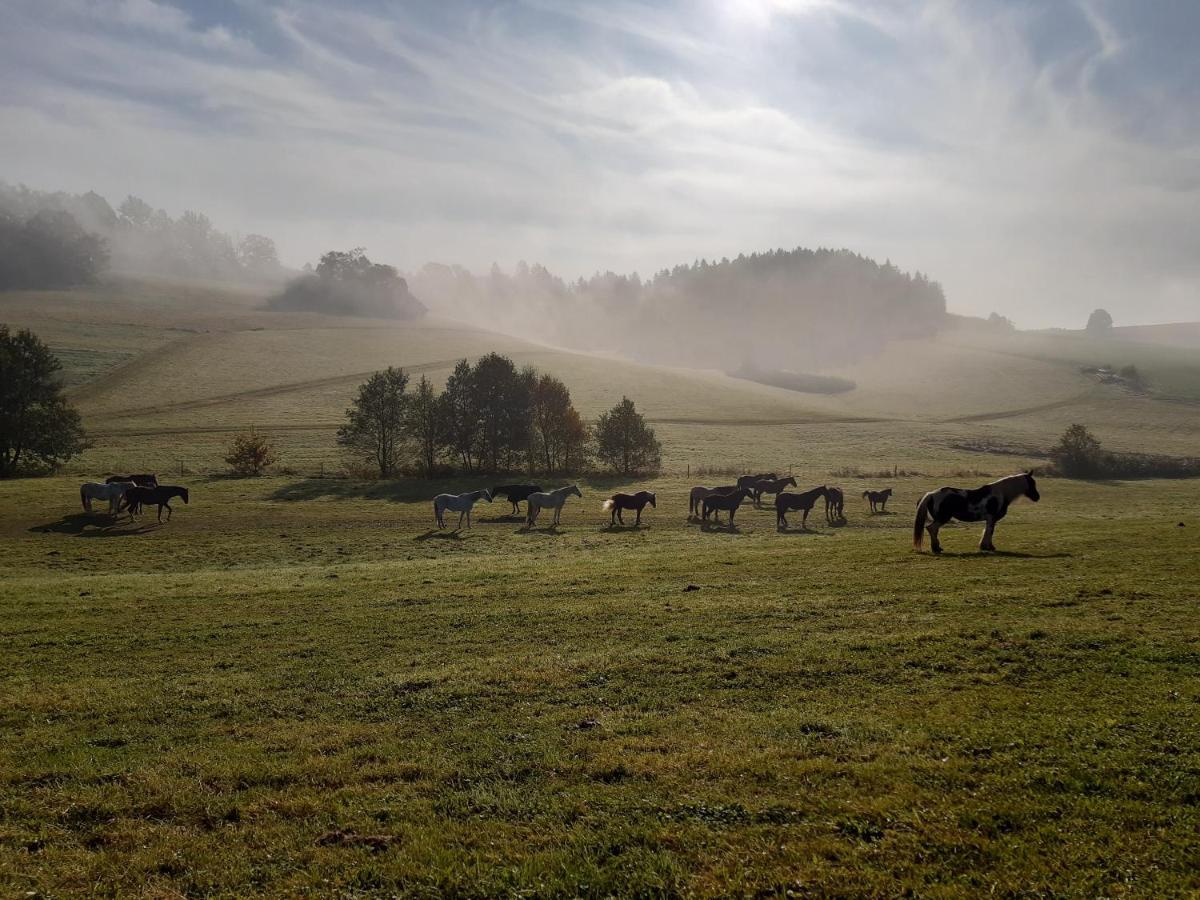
(730, 502)
(698, 494)
(835, 504)
(784, 503)
(618, 502)
(878, 499)
(769, 486)
(137, 497)
(747, 481)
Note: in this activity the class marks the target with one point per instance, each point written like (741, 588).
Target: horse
(139, 480)
(699, 493)
(730, 502)
(551, 499)
(747, 481)
(770, 486)
(160, 496)
(113, 493)
(988, 503)
(459, 503)
(785, 502)
(878, 499)
(835, 504)
(618, 502)
(515, 493)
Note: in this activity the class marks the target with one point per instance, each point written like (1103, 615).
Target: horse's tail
(607, 505)
(865, 494)
(919, 524)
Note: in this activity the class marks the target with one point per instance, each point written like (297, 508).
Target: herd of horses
(130, 493)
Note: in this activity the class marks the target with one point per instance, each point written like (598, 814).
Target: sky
(1039, 159)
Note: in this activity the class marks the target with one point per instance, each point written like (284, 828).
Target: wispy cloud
(1039, 159)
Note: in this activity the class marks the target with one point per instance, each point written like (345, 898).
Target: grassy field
(297, 687)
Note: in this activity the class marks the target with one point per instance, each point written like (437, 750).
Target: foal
(637, 501)
(784, 503)
(878, 499)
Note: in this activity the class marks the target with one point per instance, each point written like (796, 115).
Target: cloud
(1038, 159)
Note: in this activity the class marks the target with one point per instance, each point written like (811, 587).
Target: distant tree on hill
(48, 250)
(375, 426)
(39, 429)
(1077, 453)
(1001, 323)
(1100, 322)
(348, 283)
(250, 453)
(625, 442)
(257, 255)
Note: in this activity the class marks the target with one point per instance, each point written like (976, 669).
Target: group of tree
(347, 283)
(39, 429)
(81, 233)
(492, 417)
(1079, 454)
(777, 309)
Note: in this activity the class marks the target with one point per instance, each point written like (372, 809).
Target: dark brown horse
(835, 505)
(515, 493)
(618, 502)
(747, 481)
(878, 499)
(699, 492)
(730, 502)
(137, 497)
(769, 486)
(785, 503)
(139, 480)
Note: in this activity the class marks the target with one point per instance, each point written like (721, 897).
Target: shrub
(250, 454)
(1077, 453)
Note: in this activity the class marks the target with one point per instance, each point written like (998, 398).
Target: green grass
(196, 707)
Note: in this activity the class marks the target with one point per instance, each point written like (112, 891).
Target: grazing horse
(988, 504)
(137, 497)
(113, 493)
(770, 486)
(618, 502)
(549, 499)
(459, 503)
(835, 505)
(515, 493)
(139, 480)
(699, 493)
(730, 502)
(785, 502)
(878, 499)
(747, 481)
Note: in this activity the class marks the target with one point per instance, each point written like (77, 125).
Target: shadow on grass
(434, 534)
(718, 528)
(621, 529)
(405, 490)
(798, 530)
(1014, 554)
(87, 525)
(546, 529)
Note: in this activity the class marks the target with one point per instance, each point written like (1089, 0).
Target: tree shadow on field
(405, 490)
(435, 534)
(90, 525)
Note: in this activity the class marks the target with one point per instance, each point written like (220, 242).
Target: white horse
(113, 493)
(459, 503)
(550, 499)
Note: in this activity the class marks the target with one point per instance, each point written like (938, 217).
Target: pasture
(300, 686)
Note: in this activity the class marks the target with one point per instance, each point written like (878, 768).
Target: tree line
(492, 417)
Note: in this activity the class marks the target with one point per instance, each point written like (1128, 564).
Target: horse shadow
(438, 534)
(91, 525)
(621, 529)
(500, 520)
(546, 529)
(1013, 554)
(881, 512)
(797, 530)
(718, 528)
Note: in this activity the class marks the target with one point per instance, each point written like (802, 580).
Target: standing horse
(113, 493)
(139, 480)
(618, 502)
(136, 497)
(699, 493)
(835, 505)
(785, 502)
(988, 504)
(747, 481)
(550, 500)
(769, 486)
(515, 493)
(459, 503)
(878, 499)
(730, 502)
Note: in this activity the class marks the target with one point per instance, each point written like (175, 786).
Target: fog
(1038, 160)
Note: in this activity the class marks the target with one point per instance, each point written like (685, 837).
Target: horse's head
(789, 480)
(487, 495)
(183, 493)
(1031, 490)
(887, 492)
(651, 499)
(575, 490)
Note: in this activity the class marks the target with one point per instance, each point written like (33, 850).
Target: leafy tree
(135, 212)
(250, 454)
(461, 412)
(48, 250)
(426, 424)
(559, 434)
(348, 283)
(257, 255)
(625, 442)
(502, 402)
(375, 426)
(1078, 453)
(1099, 322)
(37, 425)
(576, 440)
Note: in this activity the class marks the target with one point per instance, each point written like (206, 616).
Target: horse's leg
(985, 542)
(804, 519)
(933, 528)
(638, 521)
(461, 513)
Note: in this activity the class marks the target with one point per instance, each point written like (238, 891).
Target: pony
(160, 496)
(139, 480)
(699, 493)
(730, 502)
(769, 486)
(113, 493)
(878, 499)
(835, 504)
(459, 503)
(618, 502)
(747, 481)
(551, 499)
(515, 493)
(988, 503)
(785, 502)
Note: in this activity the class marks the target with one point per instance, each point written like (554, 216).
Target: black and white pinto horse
(987, 504)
